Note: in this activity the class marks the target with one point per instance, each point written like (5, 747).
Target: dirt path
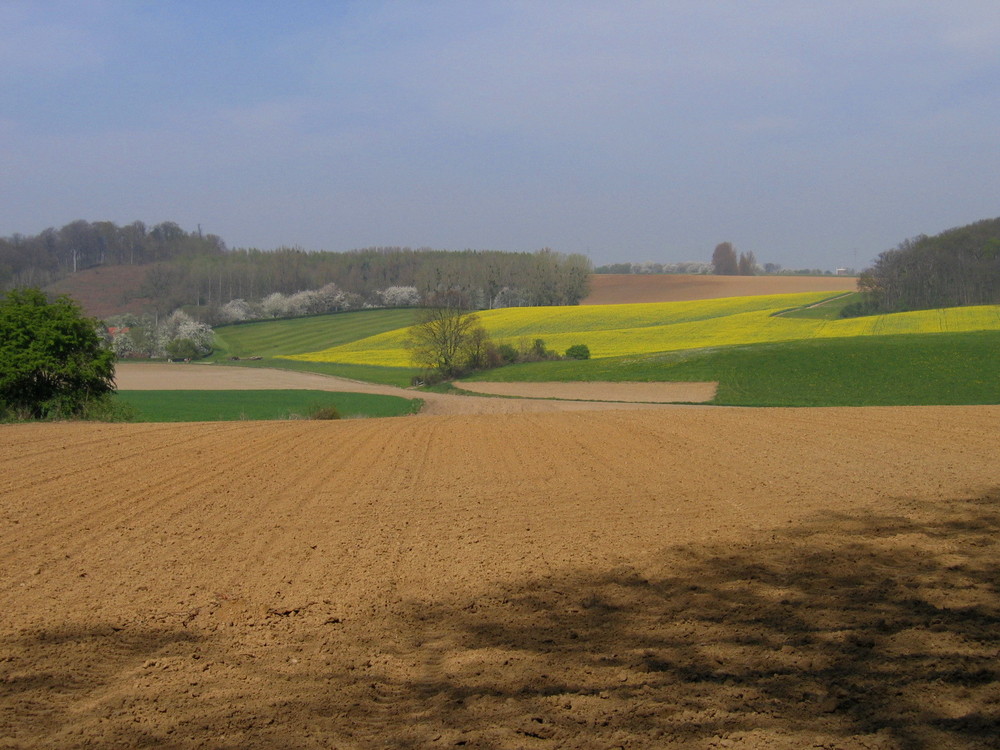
(663, 393)
(682, 578)
(143, 377)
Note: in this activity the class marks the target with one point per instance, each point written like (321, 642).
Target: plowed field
(682, 577)
(616, 289)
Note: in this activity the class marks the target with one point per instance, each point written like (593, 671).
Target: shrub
(578, 351)
(52, 360)
(325, 412)
(508, 354)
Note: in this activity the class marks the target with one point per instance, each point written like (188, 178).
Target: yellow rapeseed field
(617, 330)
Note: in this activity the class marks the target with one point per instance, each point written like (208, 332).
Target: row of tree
(725, 262)
(52, 254)
(198, 272)
(650, 267)
(486, 278)
(960, 266)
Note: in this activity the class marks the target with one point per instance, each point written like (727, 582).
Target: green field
(773, 350)
(931, 368)
(270, 339)
(215, 406)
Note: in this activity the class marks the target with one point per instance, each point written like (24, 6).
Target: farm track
(220, 377)
(644, 578)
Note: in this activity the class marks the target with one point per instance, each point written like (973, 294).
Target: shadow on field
(52, 678)
(846, 632)
(879, 632)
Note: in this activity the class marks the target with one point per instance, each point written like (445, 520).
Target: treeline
(958, 267)
(52, 254)
(485, 278)
(649, 267)
(198, 272)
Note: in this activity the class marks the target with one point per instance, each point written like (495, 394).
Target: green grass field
(215, 406)
(931, 368)
(271, 339)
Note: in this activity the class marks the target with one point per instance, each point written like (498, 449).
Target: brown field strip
(616, 289)
(662, 393)
(680, 577)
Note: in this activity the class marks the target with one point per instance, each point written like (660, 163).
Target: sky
(814, 134)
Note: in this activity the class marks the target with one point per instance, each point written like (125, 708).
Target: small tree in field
(441, 338)
(52, 361)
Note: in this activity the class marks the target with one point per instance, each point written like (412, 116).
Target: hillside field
(638, 329)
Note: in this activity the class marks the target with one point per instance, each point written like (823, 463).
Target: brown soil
(663, 393)
(106, 290)
(613, 289)
(145, 377)
(681, 577)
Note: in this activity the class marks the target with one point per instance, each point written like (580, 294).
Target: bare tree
(440, 338)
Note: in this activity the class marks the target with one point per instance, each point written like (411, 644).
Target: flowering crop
(617, 330)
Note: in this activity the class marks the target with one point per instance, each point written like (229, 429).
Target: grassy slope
(272, 339)
(867, 363)
(212, 406)
(933, 368)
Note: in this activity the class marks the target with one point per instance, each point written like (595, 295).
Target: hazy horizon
(813, 135)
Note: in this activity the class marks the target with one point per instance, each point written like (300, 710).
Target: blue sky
(815, 134)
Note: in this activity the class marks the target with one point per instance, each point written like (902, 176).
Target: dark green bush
(578, 351)
(325, 412)
(507, 353)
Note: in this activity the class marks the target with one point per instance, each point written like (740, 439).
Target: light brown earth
(680, 577)
(536, 397)
(597, 391)
(614, 289)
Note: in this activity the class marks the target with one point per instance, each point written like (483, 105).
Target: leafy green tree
(578, 351)
(52, 360)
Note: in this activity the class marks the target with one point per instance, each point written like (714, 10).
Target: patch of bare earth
(702, 577)
(663, 393)
(614, 289)
(106, 290)
(144, 377)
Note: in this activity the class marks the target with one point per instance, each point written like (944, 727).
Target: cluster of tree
(687, 266)
(960, 266)
(725, 262)
(177, 336)
(55, 253)
(486, 278)
(448, 341)
(199, 273)
(53, 363)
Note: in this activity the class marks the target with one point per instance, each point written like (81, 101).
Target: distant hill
(105, 290)
(110, 290)
(614, 289)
